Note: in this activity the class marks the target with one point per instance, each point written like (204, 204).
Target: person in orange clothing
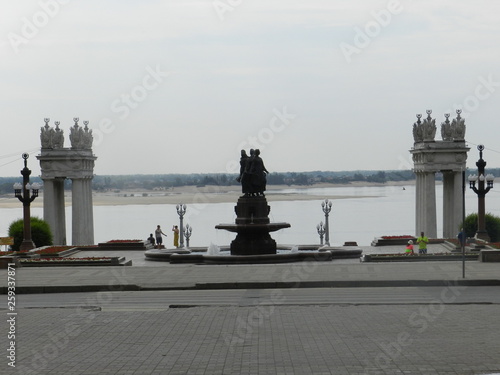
(409, 248)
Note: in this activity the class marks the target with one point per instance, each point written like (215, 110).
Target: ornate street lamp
(26, 193)
(181, 210)
(321, 231)
(481, 192)
(187, 233)
(327, 207)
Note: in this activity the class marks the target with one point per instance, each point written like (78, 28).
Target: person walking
(175, 229)
(422, 243)
(158, 236)
(462, 238)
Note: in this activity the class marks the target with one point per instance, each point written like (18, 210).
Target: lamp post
(181, 210)
(321, 231)
(187, 233)
(326, 205)
(26, 193)
(481, 192)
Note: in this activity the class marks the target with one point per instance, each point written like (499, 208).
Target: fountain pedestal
(252, 226)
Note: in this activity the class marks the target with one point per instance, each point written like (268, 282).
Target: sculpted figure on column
(76, 135)
(87, 137)
(81, 138)
(46, 135)
(446, 130)
(418, 134)
(58, 139)
(429, 126)
(458, 127)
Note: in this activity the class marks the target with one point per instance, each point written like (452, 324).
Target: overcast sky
(180, 86)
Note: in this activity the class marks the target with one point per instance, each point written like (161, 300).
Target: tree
(40, 233)
(492, 226)
(275, 179)
(379, 177)
(358, 177)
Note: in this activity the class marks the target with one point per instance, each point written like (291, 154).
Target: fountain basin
(253, 239)
(269, 227)
(252, 226)
(305, 253)
(164, 255)
(316, 256)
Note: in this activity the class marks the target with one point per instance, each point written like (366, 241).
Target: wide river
(369, 212)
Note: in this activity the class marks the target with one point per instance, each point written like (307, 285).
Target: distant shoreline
(204, 194)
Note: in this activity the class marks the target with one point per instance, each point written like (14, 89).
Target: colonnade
(426, 212)
(448, 157)
(77, 164)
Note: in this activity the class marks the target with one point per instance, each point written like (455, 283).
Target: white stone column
(83, 219)
(448, 203)
(429, 226)
(89, 208)
(458, 204)
(49, 207)
(452, 203)
(54, 209)
(426, 204)
(418, 202)
(60, 210)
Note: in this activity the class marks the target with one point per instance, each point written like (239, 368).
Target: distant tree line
(168, 181)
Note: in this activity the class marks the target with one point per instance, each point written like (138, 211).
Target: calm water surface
(369, 212)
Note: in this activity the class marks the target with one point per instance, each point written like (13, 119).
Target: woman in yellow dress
(175, 229)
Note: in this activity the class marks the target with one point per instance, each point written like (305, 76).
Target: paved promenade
(338, 273)
(271, 337)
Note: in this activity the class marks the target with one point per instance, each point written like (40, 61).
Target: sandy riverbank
(205, 194)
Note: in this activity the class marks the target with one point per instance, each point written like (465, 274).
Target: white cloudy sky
(229, 71)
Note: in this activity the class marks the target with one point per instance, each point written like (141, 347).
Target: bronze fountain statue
(252, 211)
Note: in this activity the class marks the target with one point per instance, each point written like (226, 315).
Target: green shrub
(492, 226)
(40, 233)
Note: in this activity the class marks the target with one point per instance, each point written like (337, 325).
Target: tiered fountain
(253, 227)
(253, 243)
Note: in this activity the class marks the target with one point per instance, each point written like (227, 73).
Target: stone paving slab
(271, 339)
(304, 274)
(417, 339)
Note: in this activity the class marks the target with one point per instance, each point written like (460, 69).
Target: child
(409, 248)
(151, 239)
